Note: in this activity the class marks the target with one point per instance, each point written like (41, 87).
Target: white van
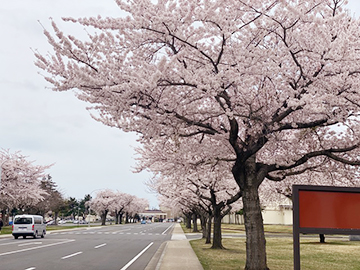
(28, 225)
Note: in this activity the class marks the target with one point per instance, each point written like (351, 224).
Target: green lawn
(336, 253)
(8, 229)
(236, 228)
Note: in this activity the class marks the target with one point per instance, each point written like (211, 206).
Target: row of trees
(118, 204)
(26, 188)
(21, 185)
(246, 91)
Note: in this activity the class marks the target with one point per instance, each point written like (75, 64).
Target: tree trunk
(255, 236)
(120, 218)
(103, 218)
(188, 221)
(116, 217)
(5, 218)
(203, 225)
(195, 226)
(56, 214)
(208, 230)
(217, 238)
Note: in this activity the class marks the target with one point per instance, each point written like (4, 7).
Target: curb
(155, 261)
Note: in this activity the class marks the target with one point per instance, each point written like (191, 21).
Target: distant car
(62, 222)
(51, 222)
(28, 225)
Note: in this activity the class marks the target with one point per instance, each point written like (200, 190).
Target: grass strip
(8, 229)
(335, 254)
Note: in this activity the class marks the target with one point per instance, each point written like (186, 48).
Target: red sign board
(329, 209)
(324, 210)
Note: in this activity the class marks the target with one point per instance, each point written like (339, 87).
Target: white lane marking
(124, 230)
(99, 246)
(7, 244)
(167, 229)
(31, 243)
(137, 256)
(31, 268)
(71, 255)
(27, 249)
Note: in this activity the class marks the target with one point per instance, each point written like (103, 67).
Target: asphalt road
(116, 247)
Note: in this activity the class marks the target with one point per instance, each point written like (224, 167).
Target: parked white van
(28, 225)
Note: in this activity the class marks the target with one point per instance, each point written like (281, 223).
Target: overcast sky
(52, 127)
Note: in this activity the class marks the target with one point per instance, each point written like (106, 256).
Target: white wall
(277, 216)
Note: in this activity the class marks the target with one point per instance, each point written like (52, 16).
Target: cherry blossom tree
(206, 181)
(136, 206)
(269, 80)
(20, 185)
(122, 200)
(103, 203)
(107, 201)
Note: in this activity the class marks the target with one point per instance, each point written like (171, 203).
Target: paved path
(178, 253)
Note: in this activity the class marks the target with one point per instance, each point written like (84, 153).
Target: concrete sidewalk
(178, 253)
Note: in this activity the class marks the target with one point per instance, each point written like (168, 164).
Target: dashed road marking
(31, 243)
(32, 248)
(99, 246)
(71, 255)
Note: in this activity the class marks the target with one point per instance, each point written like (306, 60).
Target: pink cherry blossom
(259, 84)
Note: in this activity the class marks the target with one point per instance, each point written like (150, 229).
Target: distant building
(171, 213)
(275, 213)
(153, 215)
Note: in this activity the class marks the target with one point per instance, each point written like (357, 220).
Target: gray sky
(52, 127)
